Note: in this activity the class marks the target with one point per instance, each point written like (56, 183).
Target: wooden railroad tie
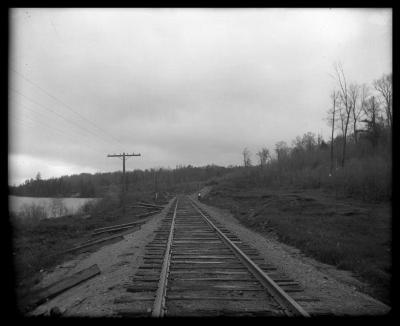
(60, 286)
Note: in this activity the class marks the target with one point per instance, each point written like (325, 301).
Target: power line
(45, 117)
(55, 112)
(61, 132)
(62, 117)
(32, 124)
(65, 105)
(22, 121)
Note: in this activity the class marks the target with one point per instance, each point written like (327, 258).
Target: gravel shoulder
(118, 262)
(332, 292)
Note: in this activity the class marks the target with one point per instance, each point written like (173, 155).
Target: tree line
(96, 185)
(355, 160)
(360, 114)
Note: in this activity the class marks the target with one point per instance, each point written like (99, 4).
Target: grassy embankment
(343, 220)
(38, 241)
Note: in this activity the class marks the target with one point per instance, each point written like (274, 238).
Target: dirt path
(332, 291)
(118, 262)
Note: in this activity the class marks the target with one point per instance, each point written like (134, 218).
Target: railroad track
(196, 267)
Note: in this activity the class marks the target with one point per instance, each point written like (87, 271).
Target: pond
(54, 207)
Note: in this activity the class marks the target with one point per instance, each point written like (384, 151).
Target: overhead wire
(66, 105)
(30, 123)
(101, 136)
(58, 114)
(61, 132)
(73, 137)
(46, 118)
(33, 124)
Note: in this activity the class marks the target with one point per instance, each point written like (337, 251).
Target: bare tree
(305, 143)
(332, 113)
(345, 110)
(341, 116)
(364, 94)
(320, 140)
(246, 157)
(263, 156)
(354, 94)
(309, 141)
(371, 110)
(384, 87)
(282, 150)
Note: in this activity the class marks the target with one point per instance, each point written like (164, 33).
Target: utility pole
(156, 181)
(124, 158)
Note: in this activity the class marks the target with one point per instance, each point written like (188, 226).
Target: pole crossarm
(120, 155)
(124, 156)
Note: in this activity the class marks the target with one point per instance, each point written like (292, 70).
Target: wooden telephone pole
(156, 176)
(124, 158)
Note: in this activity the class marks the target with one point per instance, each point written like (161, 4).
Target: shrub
(212, 182)
(30, 214)
(368, 179)
(58, 208)
(88, 207)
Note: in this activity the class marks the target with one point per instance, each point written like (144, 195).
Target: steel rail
(292, 307)
(159, 302)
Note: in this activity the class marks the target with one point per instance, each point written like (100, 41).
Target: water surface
(54, 207)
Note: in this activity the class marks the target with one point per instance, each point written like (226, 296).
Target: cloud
(181, 86)
(24, 167)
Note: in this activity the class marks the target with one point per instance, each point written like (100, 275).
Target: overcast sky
(179, 86)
